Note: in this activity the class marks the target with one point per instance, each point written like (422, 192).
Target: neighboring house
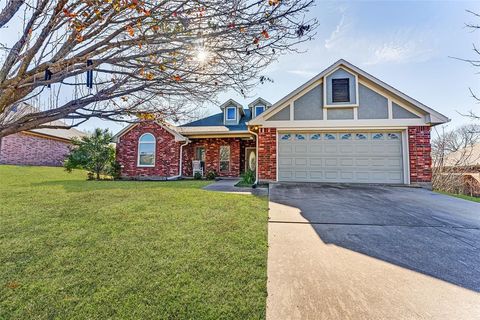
(343, 125)
(38, 147)
(465, 165)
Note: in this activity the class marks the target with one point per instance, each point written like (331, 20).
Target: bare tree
(454, 156)
(116, 58)
(473, 26)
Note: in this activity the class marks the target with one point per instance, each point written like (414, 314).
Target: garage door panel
(331, 175)
(377, 162)
(331, 162)
(362, 161)
(284, 161)
(362, 149)
(392, 162)
(285, 148)
(315, 149)
(330, 148)
(355, 158)
(285, 174)
(301, 175)
(301, 148)
(395, 175)
(347, 175)
(316, 162)
(301, 161)
(316, 175)
(347, 148)
(362, 176)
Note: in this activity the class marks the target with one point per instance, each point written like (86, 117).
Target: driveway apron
(371, 252)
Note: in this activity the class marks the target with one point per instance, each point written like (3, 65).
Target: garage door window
(330, 136)
(346, 136)
(299, 137)
(361, 136)
(316, 136)
(377, 136)
(285, 136)
(393, 136)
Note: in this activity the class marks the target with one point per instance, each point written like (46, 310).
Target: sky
(409, 45)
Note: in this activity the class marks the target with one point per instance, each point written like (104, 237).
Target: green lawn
(462, 196)
(76, 249)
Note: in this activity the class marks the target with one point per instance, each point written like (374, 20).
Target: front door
(251, 159)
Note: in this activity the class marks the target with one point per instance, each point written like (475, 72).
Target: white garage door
(356, 157)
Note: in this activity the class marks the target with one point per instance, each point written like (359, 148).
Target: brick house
(343, 125)
(38, 147)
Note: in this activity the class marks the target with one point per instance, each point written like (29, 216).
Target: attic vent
(340, 90)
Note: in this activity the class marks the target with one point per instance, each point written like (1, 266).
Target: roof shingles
(216, 120)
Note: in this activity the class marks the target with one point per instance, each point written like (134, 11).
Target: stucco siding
(310, 105)
(283, 114)
(372, 105)
(401, 113)
(340, 114)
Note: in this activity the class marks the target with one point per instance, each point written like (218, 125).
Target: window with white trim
(231, 113)
(259, 109)
(146, 150)
(224, 165)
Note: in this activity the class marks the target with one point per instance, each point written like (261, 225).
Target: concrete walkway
(318, 269)
(228, 186)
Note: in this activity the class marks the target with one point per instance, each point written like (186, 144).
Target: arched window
(146, 150)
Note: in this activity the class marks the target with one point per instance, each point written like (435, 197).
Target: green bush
(248, 177)
(115, 170)
(93, 153)
(211, 175)
(197, 176)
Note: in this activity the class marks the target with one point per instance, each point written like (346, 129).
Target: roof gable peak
(230, 102)
(259, 100)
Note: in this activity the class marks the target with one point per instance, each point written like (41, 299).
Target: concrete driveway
(371, 252)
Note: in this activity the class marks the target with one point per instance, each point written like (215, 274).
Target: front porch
(227, 157)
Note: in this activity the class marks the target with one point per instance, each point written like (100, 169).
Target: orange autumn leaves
(96, 9)
(151, 76)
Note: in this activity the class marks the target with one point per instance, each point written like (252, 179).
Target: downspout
(256, 158)
(180, 162)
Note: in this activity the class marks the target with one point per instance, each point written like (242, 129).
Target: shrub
(211, 175)
(248, 177)
(115, 170)
(197, 176)
(93, 153)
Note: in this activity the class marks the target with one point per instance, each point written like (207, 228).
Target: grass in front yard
(76, 249)
(462, 196)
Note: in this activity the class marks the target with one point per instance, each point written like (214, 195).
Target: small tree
(93, 153)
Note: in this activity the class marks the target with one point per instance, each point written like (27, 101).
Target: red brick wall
(419, 153)
(212, 155)
(27, 149)
(267, 154)
(167, 152)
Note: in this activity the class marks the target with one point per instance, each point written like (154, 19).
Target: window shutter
(340, 90)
